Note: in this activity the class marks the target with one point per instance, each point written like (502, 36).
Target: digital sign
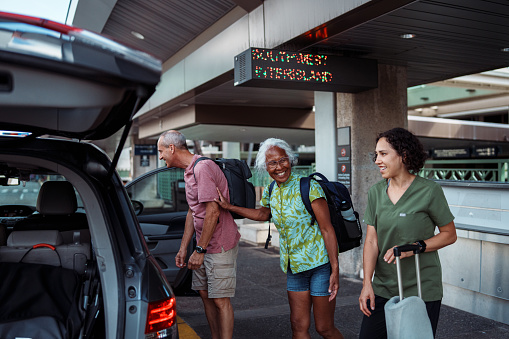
(463, 152)
(484, 151)
(258, 67)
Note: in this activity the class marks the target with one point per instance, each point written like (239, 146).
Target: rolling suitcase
(407, 317)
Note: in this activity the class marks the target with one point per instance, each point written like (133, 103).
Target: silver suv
(73, 259)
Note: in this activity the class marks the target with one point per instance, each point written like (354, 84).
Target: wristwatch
(200, 249)
(422, 245)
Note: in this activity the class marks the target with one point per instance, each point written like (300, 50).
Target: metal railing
(490, 170)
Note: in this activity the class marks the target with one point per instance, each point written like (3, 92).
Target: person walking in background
(402, 208)
(308, 253)
(214, 262)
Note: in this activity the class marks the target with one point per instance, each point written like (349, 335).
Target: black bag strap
(198, 160)
(271, 187)
(269, 237)
(305, 187)
(92, 297)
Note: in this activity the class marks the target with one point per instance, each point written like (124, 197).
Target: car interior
(42, 223)
(66, 224)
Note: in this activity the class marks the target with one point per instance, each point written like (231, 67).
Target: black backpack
(348, 233)
(242, 192)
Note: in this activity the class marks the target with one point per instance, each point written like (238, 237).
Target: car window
(160, 192)
(26, 192)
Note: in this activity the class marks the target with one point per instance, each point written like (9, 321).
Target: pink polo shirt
(209, 176)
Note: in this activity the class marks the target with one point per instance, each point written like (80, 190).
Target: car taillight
(161, 315)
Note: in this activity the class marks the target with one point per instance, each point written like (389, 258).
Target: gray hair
(261, 157)
(173, 138)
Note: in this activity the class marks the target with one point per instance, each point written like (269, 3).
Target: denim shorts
(315, 280)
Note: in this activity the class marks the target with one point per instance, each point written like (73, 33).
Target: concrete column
(231, 150)
(325, 131)
(369, 113)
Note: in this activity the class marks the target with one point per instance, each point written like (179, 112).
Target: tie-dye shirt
(301, 244)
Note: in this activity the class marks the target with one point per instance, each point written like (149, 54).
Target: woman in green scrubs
(402, 208)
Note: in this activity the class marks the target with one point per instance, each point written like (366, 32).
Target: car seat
(47, 247)
(56, 207)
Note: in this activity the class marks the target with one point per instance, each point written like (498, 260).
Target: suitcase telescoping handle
(397, 253)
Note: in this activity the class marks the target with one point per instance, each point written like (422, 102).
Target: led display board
(258, 67)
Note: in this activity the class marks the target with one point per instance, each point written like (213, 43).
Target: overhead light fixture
(506, 49)
(407, 36)
(138, 35)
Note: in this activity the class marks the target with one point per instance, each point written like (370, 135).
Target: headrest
(30, 238)
(57, 198)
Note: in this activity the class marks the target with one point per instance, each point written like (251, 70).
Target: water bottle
(347, 211)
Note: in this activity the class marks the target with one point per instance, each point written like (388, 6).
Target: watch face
(200, 249)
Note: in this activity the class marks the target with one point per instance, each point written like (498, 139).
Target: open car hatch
(64, 81)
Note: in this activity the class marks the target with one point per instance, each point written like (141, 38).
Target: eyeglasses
(282, 162)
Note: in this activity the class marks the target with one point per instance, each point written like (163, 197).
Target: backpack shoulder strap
(269, 237)
(197, 161)
(271, 187)
(305, 186)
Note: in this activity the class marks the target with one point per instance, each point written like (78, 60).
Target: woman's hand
(222, 201)
(370, 255)
(333, 284)
(389, 256)
(367, 294)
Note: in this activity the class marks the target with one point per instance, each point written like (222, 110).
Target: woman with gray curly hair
(308, 253)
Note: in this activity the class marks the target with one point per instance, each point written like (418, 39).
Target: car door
(161, 193)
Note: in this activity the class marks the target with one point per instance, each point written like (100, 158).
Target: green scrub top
(414, 217)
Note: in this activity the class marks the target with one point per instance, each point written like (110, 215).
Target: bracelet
(422, 245)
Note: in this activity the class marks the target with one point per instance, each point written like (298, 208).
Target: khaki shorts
(218, 274)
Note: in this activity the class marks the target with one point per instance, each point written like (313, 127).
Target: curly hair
(407, 146)
(268, 144)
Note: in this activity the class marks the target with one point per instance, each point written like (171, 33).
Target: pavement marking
(185, 331)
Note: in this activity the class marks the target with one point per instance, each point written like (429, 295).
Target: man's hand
(180, 258)
(196, 260)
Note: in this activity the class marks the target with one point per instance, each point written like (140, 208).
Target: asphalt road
(262, 311)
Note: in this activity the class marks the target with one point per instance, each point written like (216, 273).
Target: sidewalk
(262, 311)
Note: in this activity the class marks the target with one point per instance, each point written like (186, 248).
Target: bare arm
(445, 237)
(180, 259)
(209, 226)
(369, 254)
(321, 211)
(259, 214)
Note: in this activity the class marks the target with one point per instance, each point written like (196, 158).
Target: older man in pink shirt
(214, 262)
